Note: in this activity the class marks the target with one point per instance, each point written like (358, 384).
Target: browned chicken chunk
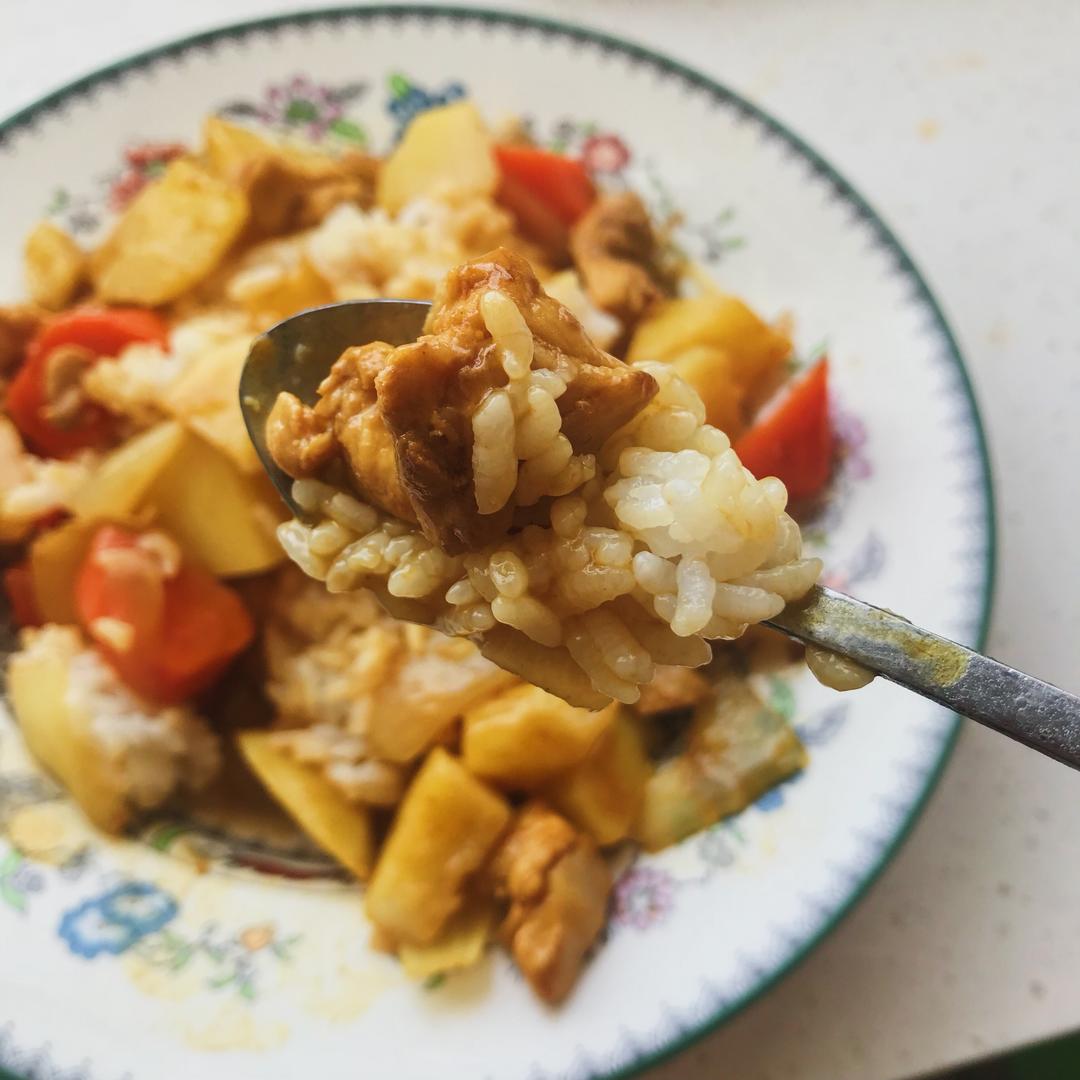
(616, 252)
(557, 885)
(431, 389)
(346, 420)
(418, 403)
(288, 193)
(18, 324)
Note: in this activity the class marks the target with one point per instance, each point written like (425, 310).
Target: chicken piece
(557, 885)
(304, 439)
(18, 324)
(430, 391)
(672, 688)
(290, 191)
(288, 187)
(404, 418)
(616, 252)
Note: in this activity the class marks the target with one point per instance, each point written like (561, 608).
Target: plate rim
(28, 115)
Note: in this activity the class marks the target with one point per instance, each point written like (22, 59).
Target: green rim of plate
(886, 237)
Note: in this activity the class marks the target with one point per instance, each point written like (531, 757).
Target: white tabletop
(960, 121)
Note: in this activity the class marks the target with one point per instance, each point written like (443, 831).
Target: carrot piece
(793, 439)
(167, 637)
(561, 183)
(102, 332)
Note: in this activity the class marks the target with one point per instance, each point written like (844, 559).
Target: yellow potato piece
(526, 736)
(728, 354)
(55, 559)
(415, 704)
(711, 371)
(58, 735)
(444, 831)
(54, 266)
(117, 486)
(460, 944)
(603, 795)
(205, 396)
(229, 149)
(447, 149)
(173, 234)
(341, 828)
(220, 517)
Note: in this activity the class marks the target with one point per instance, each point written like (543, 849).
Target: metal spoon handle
(1029, 710)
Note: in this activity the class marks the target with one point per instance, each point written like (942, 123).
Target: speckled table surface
(960, 121)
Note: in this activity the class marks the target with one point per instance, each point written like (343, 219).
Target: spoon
(297, 353)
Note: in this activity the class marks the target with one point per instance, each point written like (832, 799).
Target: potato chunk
(117, 754)
(443, 833)
(434, 680)
(56, 556)
(444, 151)
(603, 795)
(172, 235)
(54, 266)
(59, 736)
(727, 353)
(117, 486)
(460, 943)
(339, 827)
(204, 397)
(220, 517)
(526, 736)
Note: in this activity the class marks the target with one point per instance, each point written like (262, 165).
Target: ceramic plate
(192, 951)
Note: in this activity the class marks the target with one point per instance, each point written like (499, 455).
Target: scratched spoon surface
(296, 355)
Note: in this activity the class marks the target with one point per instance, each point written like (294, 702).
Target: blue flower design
(407, 100)
(772, 800)
(775, 797)
(822, 727)
(116, 920)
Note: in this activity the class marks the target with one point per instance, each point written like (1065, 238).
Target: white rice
(367, 253)
(31, 487)
(661, 542)
(331, 662)
(835, 671)
(150, 751)
(519, 450)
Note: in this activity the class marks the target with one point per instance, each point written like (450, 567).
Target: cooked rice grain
(661, 540)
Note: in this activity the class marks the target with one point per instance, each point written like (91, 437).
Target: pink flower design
(851, 438)
(153, 155)
(142, 162)
(644, 896)
(301, 103)
(605, 153)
